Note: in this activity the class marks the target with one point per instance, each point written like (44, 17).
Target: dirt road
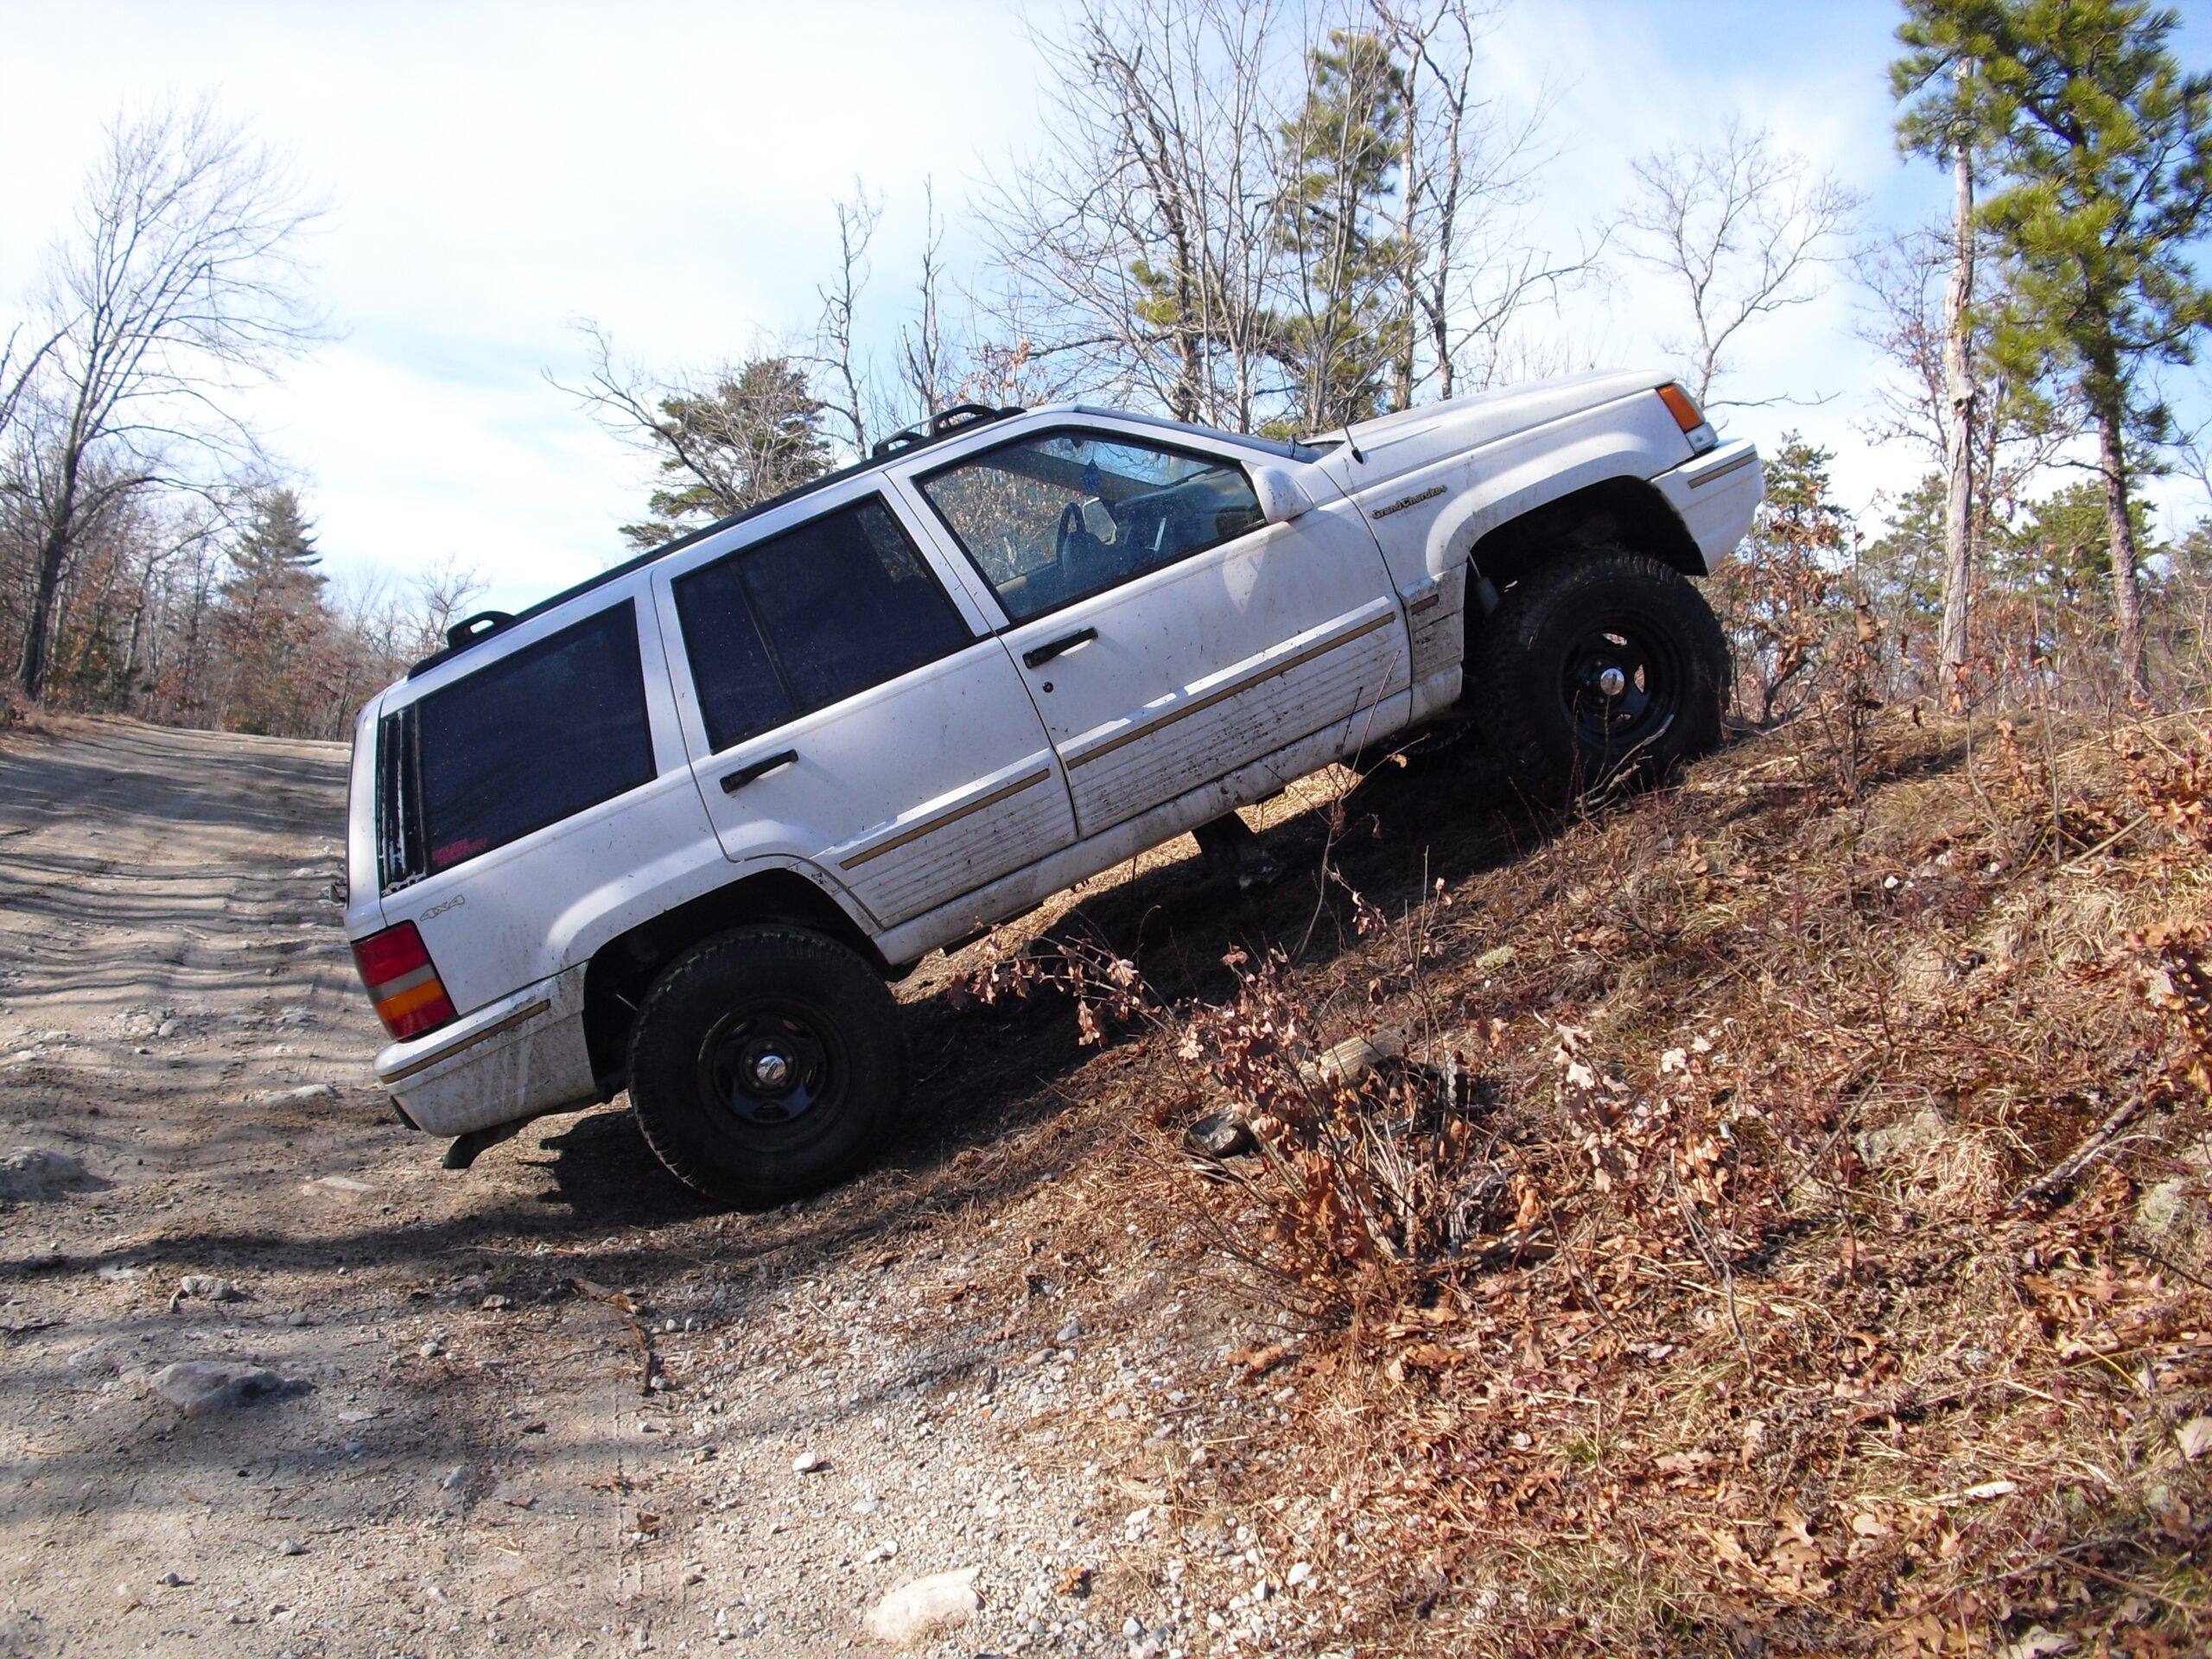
(553, 1404)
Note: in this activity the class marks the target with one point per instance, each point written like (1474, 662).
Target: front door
(841, 713)
(1168, 634)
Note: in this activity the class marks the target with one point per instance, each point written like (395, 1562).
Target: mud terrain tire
(767, 1064)
(1604, 667)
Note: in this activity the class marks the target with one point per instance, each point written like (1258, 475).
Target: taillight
(1682, 407)
(401, 982)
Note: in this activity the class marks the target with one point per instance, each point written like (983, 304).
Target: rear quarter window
(527, 740)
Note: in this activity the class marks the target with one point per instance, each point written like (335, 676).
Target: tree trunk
(2120, 530)
(53, 549)
(1959, 389)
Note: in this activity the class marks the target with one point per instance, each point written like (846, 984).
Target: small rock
(172, 1580)
(337, 1187)
(2172, 1219)
(297, 1318)
(808, 1463)
(1068, 1333)
(208, 1289)
(1895, 1142)
(1353, 1059)
(867, 1506)
(456, 1478)
(430, 1350)
(32, 1173)
(922, 1607)
(291, 1546)
(495, 1304)
(1219, 1135)
(196, 1387)
(1300, 1572)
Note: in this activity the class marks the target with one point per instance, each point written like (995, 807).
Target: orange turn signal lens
(395, 967)
(1682, 407)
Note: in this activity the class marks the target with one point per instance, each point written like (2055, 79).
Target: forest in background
(1266, 217)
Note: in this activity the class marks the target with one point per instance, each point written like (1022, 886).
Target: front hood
(1390, 445)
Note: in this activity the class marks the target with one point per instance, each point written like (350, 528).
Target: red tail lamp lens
(402, 981)
(1682, 407)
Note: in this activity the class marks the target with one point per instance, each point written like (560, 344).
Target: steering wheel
(1071, 527)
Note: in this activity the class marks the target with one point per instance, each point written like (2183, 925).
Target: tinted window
(809, 618)
(1052, 519)
(527, 740)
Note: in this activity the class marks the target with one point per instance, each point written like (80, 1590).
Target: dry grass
(1684, 1287)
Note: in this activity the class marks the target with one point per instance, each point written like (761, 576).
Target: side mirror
(1282, 498)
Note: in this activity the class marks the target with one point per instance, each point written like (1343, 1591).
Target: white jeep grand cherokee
(672, 831)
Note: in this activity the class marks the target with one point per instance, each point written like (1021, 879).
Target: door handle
(1037, 656)
(734, 781)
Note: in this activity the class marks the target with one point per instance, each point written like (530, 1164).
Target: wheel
(1602, 666)
(765, 1065)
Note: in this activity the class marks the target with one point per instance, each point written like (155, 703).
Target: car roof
(896, 448)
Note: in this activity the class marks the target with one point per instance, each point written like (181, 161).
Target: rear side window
(810, 618)
(525, 741)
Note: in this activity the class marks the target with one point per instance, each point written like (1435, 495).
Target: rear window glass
(524, 742)
(810, 618)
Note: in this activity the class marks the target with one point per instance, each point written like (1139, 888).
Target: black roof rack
(946, 424)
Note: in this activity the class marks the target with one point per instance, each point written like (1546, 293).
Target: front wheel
(765, 1065)
(1601, 666)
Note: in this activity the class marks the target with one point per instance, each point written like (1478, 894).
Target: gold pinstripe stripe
(942, 820)
(467, 1043)
(1201, 704)
(1737, 464)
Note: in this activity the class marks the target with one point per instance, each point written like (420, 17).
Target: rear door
(842, 713)
(1168, 635)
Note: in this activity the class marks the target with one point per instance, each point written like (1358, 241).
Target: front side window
(810, 618)
(535, 737)
(1052, 519)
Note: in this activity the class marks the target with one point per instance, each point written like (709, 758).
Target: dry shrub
(1684, 1275)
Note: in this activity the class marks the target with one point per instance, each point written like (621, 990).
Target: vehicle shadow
(989, 1074)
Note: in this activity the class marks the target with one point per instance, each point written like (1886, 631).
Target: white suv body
(921, 697)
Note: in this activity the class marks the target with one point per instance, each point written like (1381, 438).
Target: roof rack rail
(943, 424)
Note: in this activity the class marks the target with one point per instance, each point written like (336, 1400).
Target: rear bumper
(1717, 496)
(516, 1058)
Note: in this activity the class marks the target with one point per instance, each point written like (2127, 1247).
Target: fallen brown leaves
(1690, 1273)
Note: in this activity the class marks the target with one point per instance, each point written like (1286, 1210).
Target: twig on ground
(2069, 1169)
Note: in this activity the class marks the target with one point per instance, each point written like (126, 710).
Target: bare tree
(179, 285)
(1147, 232)
(2014, 429)
(837, 354)
(926, 366)
(1466, 186)
(1742, 229)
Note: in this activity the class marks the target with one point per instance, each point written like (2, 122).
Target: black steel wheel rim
(1621, 684)
(768, 1065)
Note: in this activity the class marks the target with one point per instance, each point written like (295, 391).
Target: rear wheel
(1603, 666)
(765, 1065)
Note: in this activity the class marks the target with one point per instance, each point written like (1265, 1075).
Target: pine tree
(759, 434)
(1342, 332)
(2102, 149)
(270, 620)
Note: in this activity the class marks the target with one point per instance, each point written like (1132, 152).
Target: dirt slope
(1695, 1283)
(992, 1363)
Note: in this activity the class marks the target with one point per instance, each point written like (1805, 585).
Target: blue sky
(496, 171)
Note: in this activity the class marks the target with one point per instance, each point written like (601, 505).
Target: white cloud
(497, 170)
